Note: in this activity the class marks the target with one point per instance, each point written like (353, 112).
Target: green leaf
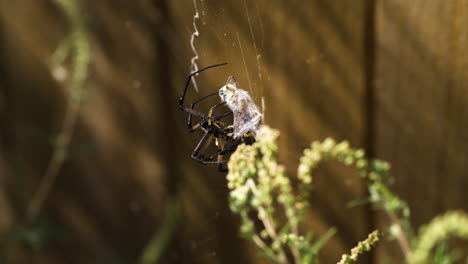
(322, 240)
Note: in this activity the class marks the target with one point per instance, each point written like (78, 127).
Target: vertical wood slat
(421, 92)
(311, 60)
(109, 194)
(313, 67)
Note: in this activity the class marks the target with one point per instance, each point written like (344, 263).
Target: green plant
(74, 51)
(452, 223)
(153, 251)
(260, 191)
(75, 47)
(362, 247)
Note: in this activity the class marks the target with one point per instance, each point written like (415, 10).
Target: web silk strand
(193, 61)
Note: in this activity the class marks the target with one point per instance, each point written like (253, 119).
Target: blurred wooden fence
(388, 75)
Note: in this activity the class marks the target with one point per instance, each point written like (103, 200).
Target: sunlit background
(95, 157)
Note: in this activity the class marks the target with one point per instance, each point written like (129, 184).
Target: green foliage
(261, 191)
(153, 251)
(362, 247)
(32, 230)
(76, 46)
(453, 223)
(442, 255)
(40, 232)
(259, 186)
(258, 183)
(36, 234)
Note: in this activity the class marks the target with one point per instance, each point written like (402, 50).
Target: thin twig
(266, 219)
(294, 250)
(55, 162)
(401, 235)
(81, 58)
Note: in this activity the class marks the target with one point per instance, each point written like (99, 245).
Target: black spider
(213, 127)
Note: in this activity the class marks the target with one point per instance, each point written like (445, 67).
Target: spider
(246, 117)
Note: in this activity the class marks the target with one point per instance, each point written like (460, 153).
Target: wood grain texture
(110, 193)
(422, 102)
(307, 62)
(131, 149)
(312, 63)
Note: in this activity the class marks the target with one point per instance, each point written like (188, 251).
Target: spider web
(228, 32)
(233, 33)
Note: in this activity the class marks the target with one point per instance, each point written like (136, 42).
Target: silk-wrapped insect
(246, 121)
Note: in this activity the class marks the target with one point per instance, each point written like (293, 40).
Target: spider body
(227, 137)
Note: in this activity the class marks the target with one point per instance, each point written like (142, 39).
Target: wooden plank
(307, 62)
(109, 193)
(422, 102)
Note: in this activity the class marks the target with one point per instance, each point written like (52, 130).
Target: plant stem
(401, 235)
(266, 219)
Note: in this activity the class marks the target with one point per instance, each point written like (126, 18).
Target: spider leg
(200, 145)
(187, 83)
(210, 113)
(221, 168)
(209, 117)
(221, 116)
(220, 159)
(190, 110)
(193, 112)
(223, 151)
(203, 142)
(189, 122)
